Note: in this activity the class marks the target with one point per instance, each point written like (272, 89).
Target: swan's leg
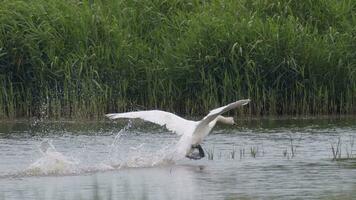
(201, 151)
(196, 155)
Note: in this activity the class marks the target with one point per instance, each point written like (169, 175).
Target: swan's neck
(223, 120)
(220, 119)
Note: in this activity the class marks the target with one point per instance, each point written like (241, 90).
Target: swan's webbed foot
(196, 155)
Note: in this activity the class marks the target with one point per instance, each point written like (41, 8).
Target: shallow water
(129, 161)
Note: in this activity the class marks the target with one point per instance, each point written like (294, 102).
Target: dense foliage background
(80, 59)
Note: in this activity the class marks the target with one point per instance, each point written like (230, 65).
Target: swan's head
(226, 120)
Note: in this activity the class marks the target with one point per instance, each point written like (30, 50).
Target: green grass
(79, 59)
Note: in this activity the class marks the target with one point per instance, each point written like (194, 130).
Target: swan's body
(192, 132)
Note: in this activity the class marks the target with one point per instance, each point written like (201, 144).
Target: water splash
(52, 162)
(139, 157)
(136, 156)
(115, 149)
(119, 155)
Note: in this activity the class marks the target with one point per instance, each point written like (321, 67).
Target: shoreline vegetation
(81, 59)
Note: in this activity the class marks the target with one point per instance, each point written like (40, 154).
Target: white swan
(192, 132)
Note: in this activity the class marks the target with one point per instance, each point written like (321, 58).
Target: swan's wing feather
(218, 111)
(172, 122)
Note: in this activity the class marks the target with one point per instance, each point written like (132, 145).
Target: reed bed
(81, 59)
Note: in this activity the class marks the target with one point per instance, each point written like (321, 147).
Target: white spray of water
(53, 162)
(140, 158)
(137, 156)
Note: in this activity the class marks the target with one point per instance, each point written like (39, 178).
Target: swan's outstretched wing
(172, 122)
(218, 111)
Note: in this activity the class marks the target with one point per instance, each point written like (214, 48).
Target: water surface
(67, 160)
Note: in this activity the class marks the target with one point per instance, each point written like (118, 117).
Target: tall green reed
(82, 59)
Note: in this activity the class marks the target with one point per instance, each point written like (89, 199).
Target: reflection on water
(275, 159)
